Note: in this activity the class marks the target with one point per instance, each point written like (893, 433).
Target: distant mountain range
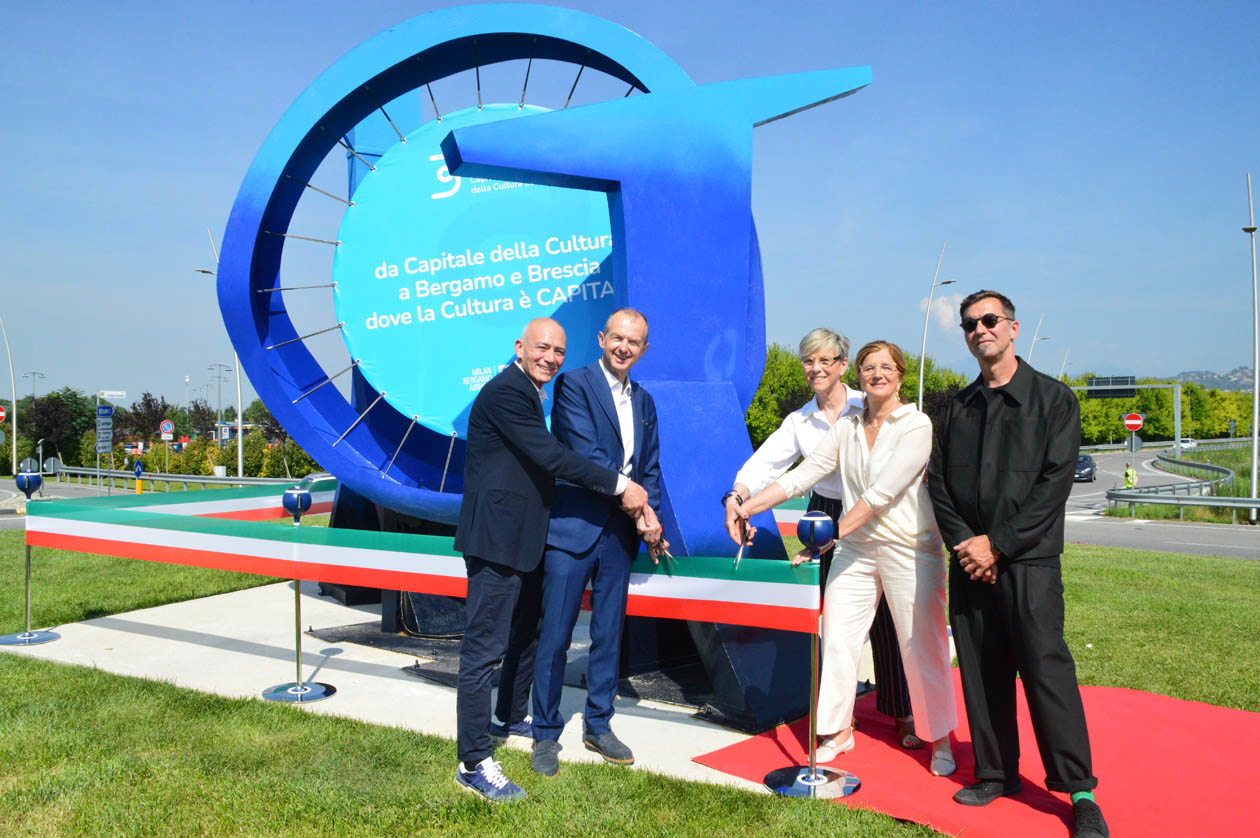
(1236, 379)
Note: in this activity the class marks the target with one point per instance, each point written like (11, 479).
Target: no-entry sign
(3, 413)
(1133, 421)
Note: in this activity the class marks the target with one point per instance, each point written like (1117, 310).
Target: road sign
(113, 394)
(103, 446)
(52, 465)
(104, 410)
(139, 468)
(3, 413)
(1133, 444)
(1111, 387)
(167, 426)
(29, 464)
(1133, 421)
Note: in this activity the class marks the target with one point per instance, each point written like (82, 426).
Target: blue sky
(1087, 159)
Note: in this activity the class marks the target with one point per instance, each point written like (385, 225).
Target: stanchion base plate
(33, 638)
(794, 781)
(291, 693)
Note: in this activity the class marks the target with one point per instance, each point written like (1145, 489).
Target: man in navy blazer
(604, 417)
(509, 483)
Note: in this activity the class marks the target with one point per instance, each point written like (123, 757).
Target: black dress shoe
(986, 791)
(1089, 820)
(608, 746)
(546, 759)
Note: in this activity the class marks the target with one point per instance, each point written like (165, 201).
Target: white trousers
(913, 583)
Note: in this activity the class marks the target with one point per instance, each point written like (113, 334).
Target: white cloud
(944, 311)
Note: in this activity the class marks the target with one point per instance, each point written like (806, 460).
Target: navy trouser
(606, 565)
(502, 626)
(1016, 627)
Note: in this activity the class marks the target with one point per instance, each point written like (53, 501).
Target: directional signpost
(105, 431)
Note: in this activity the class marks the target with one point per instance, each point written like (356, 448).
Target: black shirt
(1003, 465)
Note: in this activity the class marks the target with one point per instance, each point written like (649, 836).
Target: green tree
(201, 419)
(147, 415)
(783, 388)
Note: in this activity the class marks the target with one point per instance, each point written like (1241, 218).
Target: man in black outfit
(1000, 474)
(509, 481)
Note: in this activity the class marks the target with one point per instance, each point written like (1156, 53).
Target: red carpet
(1164, 766)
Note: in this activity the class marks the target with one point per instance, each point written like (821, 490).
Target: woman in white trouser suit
(887, 541)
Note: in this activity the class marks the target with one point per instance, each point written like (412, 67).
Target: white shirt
(625, 413)
(889, 477)
(542, 394)
(799, 434)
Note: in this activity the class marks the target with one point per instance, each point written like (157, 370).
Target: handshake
(634, 502)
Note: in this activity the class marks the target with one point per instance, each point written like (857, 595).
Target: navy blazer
(584, 419)
(509, 474)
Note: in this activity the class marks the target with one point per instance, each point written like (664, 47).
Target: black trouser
(892, 698)
(503, 606)
(1016, 627)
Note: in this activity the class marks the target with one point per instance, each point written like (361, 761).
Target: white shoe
(829, 748)
(943, 761)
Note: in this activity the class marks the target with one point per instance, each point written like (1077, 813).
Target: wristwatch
(727, 497)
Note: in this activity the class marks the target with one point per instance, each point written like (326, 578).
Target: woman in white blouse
(825, 358)
(886, 542)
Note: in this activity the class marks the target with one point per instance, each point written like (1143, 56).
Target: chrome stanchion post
(296, 502)
(814, 529)
(29, 483)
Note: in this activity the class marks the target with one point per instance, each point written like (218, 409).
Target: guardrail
(1196, 493)
(91, 476)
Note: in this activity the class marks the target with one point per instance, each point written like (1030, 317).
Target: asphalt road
(1087, 522)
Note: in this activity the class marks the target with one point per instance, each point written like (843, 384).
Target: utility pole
(32, 375)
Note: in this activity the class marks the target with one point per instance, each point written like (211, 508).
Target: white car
(1187, 442)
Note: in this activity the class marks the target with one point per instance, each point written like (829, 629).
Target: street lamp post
(32, 375)
(240, 412)
(927, 315)
(1250, 230)
(1032, 345)
(13, 390)
(1065, 363)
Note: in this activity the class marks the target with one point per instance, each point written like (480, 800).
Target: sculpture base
(293, 693)
(826, 783)
(29, 638)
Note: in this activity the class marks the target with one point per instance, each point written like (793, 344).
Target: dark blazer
(509, 474)
(584, 419)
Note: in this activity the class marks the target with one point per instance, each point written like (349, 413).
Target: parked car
(1086, 469)
(1187, 442)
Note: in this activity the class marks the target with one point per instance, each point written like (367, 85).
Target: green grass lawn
(86, 752)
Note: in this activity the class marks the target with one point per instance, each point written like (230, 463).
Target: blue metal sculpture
(676, 166)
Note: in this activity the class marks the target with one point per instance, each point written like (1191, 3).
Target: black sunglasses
(989, 320)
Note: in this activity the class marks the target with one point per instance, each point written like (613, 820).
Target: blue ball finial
(29, 482)
(815, 529)
(296, 502)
